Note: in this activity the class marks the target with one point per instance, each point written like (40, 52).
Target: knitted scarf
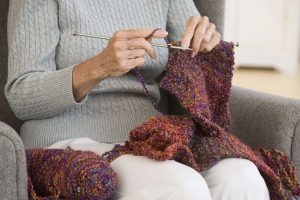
(200, 139)
(202, 87)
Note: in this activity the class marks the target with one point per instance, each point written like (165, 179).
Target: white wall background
(267, 30)
(299, 40)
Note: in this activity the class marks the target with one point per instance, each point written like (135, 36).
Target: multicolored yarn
(139, 76)
(202, 86)
(69, 174)
(141, 79)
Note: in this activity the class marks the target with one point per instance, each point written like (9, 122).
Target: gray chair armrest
(269, 121)
(13, 172)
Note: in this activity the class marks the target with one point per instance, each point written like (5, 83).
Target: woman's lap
(141, 177)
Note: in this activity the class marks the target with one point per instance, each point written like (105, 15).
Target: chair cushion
(6, 115)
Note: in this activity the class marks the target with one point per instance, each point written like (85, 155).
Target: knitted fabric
(68, 174)
(202, 87)
(199, 140)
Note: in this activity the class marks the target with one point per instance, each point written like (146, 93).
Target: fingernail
(164, 32)
(193, 54)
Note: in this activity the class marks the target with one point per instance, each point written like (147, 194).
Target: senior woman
(80, 92)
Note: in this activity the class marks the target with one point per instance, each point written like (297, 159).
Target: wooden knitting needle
(153, 44)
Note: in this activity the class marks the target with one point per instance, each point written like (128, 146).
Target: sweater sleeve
(35, 88)
(178, 15)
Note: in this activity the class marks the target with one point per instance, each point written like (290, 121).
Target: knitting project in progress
(200, 139)
(202, 87)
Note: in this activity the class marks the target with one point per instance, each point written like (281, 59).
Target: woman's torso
(115, 105)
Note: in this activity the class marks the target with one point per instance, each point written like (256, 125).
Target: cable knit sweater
(43, 52)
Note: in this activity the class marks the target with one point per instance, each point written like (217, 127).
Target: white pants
(141, 178)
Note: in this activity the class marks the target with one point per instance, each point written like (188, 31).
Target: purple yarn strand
(146, 91)
(141, 79)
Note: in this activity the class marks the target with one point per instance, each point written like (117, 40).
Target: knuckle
(195, 18)
(191, 17)
(205, 18)
(141, 41)
(141, 61)
(118, 34)
(213, 26)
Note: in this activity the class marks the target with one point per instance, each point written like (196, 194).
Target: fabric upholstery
(268, 121)
(6, 115)
(214, 9)
(13, 174)
(250, 110)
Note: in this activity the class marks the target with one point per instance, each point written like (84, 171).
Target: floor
(268, 80)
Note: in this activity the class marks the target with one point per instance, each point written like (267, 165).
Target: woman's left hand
(200, 34)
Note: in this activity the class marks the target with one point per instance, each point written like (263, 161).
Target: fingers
(137, 62)
(141, 43)
(190, 30)
(200, 34)
(135, 39)
(139, 33)
(214, 41)
(132, 63)
(211, 30)
(135, 53)
(126, 65)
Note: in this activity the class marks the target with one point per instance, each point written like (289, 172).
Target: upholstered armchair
(258, 119)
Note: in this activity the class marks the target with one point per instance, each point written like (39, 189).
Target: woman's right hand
(125, 51)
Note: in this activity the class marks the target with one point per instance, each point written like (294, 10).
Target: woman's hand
(125, 50)
(200, 34)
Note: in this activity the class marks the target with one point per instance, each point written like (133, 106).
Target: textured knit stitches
(43, 52)
(202, 87)
(69, 174)
(199, 140)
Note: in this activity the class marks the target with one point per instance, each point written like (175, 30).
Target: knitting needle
(153, 44)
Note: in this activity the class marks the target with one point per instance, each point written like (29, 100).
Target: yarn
(200, 139)
(141, 79)
(68, 174)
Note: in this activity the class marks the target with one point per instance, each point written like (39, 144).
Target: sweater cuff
(58, 89)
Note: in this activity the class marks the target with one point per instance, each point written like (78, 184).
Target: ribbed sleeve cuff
(58, 90)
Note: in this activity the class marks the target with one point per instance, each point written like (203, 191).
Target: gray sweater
(43, 52)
